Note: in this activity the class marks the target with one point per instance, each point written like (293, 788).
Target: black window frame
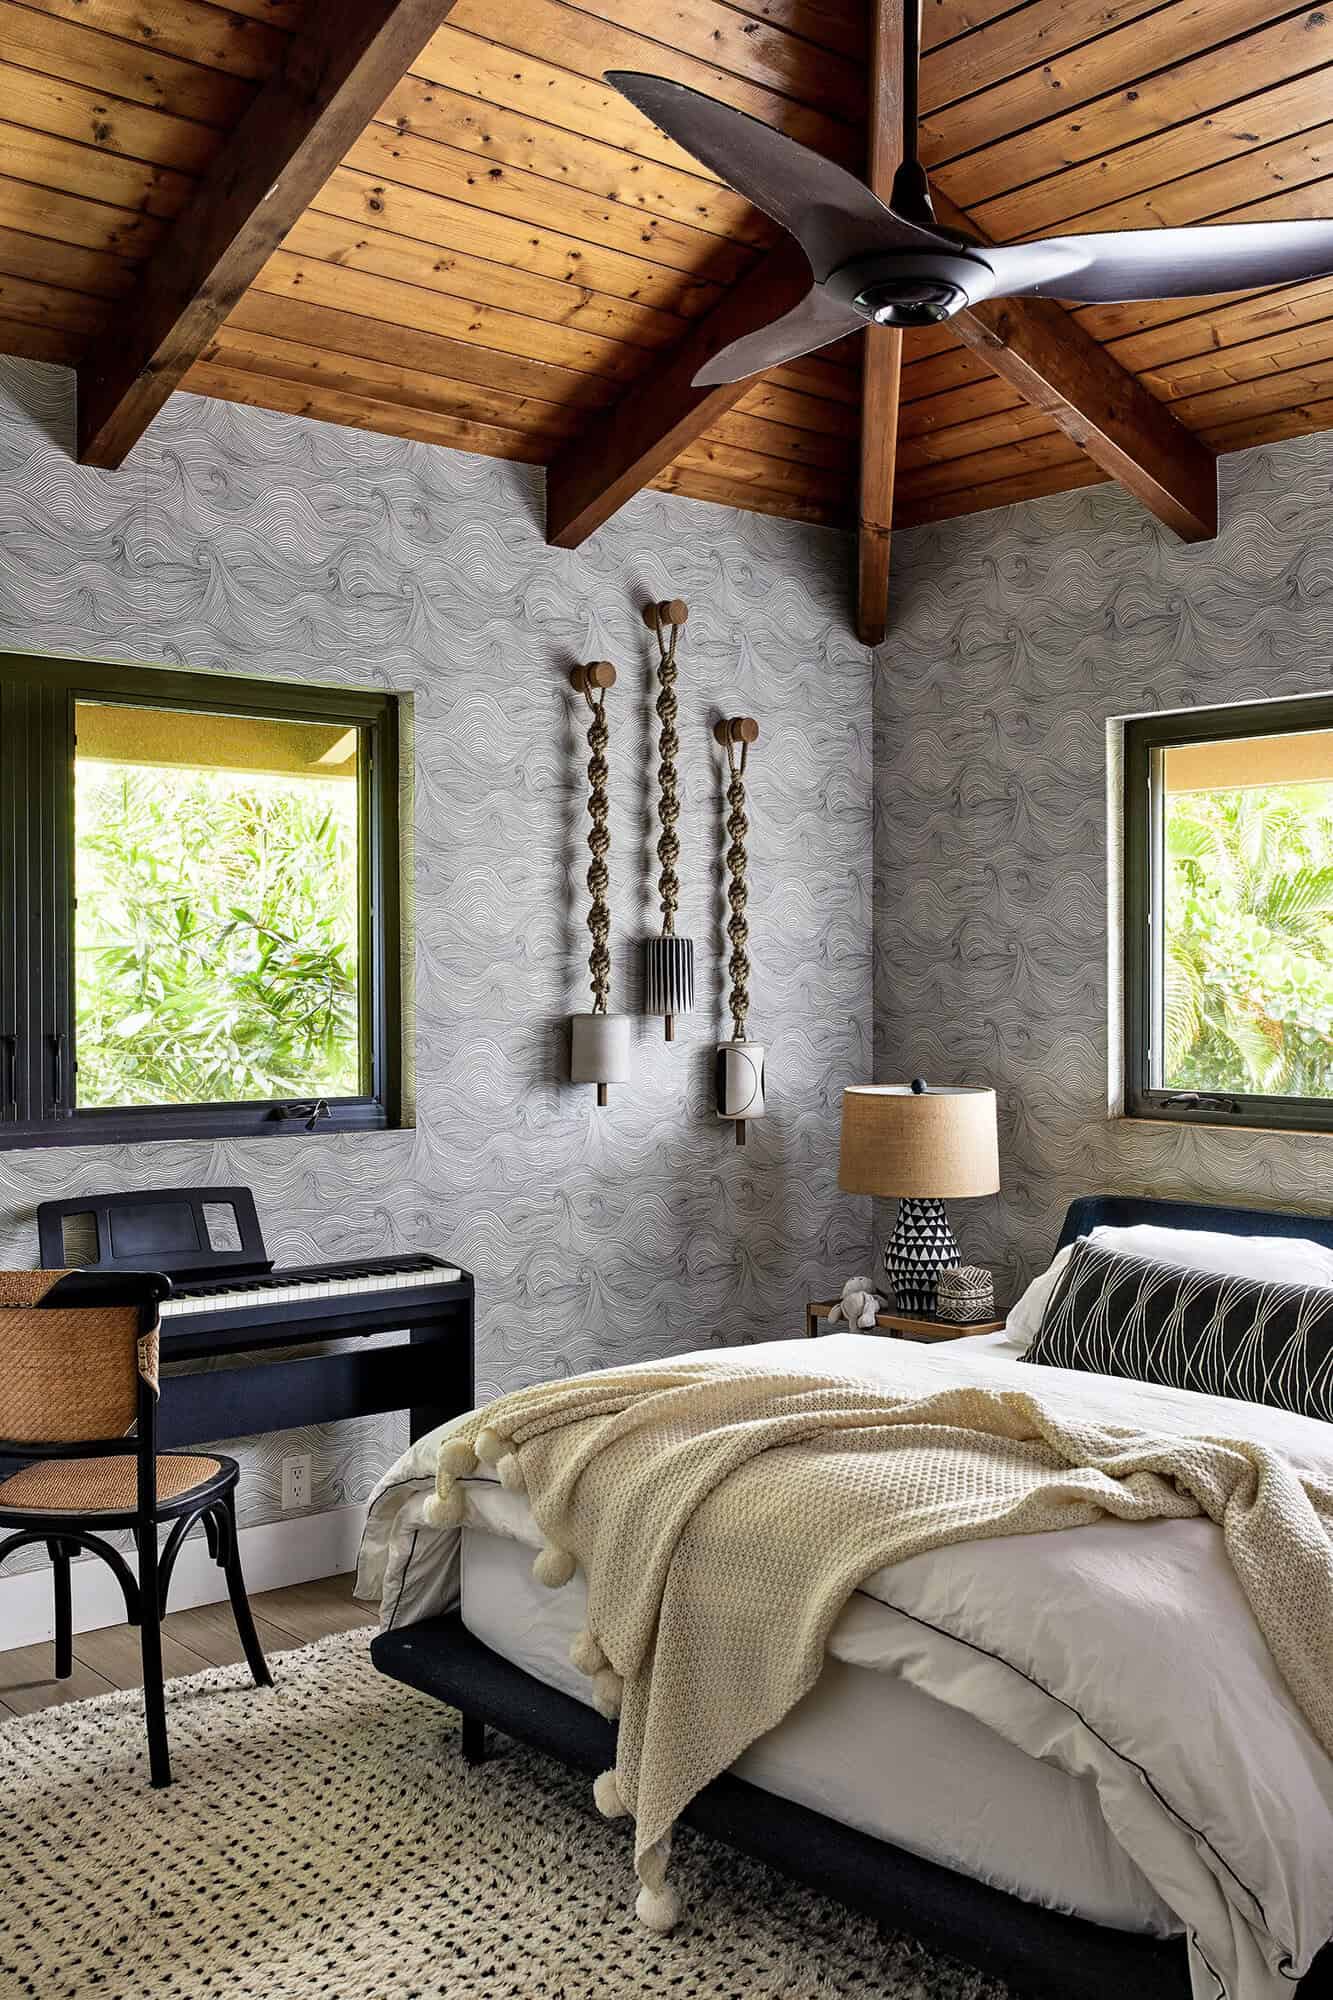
(38, 697)
(1146, 738)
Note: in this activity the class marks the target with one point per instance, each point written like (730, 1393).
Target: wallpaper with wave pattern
(1018, 638)
(241, 541)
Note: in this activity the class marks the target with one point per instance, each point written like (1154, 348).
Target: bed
(893, 1786)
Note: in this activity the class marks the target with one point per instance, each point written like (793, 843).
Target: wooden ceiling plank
(1025, 40)
(974, 403)
(519, 246)
(740, 431)
(696, 483)
(64, 218)
(75, 53)
(388, 382)
(567, 156)
(106, 124)
(1264, 117)
(746, 467)
(1228, 324)
(45, 160)
(882, 356)
(641, 435)
(34, 342)
(31, 303)
(398, 304)
(361, 413)
(914, 511)
(797, 409)
(338, 332)
(1130, 125)
(974, 434)
(1041, 350)
(411, 160)
(295, 132)
(817, 97)
(1009, 459)
(1054, 96)
(1311, 382)
(1282, 180)
(481, 280)
(200, 32)
(1241, 434)
(70, 266)
(1247, 361)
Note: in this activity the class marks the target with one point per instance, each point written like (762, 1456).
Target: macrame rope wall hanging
(599, 1041)
(740, 1062)
(668, 960)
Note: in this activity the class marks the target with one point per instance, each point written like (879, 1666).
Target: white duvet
(1122, 1652)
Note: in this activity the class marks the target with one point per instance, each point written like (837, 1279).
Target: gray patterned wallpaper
(1018, 638)
(237, 540)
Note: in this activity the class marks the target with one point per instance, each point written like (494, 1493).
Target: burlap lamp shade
(925, 1146)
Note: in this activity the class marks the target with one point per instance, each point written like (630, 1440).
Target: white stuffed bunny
(858, 1304)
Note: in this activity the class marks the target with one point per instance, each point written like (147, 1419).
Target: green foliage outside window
(216, 937)
(1249, 941)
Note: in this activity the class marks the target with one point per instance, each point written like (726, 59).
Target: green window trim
(38, 1054)
(1146, 739)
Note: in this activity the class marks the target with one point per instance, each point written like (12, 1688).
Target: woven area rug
(325, 1841)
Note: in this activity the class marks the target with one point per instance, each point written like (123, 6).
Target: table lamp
(923, 1145)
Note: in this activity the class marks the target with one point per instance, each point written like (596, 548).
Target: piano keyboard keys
(244, 1294)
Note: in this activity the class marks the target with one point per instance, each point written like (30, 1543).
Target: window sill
(114, 1128)
(1224, 1121)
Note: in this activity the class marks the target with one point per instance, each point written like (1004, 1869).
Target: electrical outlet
(296, 1480)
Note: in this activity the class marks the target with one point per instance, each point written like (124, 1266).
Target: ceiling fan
(895, 265)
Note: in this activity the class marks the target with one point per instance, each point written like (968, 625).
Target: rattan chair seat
(99, 1485)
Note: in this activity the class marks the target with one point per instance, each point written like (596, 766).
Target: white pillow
(1275, 1260)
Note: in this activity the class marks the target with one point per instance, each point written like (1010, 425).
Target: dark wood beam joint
(1040, 349)
(334, 76)
(592, 477)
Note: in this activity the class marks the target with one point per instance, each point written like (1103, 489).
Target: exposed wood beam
(1043, 352)
(883, 345)
(638, 437)
(333, 78)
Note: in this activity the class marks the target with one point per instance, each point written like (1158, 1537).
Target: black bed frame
(1040, 1952)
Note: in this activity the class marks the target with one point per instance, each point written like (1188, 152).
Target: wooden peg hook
(671, 611)
(595, 674)
(736, 729)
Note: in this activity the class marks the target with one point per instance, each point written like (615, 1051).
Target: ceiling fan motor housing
(911, 288)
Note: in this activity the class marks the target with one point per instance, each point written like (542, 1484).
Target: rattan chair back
(69, 1375)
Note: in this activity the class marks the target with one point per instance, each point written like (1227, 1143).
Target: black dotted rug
(325, 1841)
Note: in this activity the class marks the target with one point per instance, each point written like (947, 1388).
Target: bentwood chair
(78, 1367)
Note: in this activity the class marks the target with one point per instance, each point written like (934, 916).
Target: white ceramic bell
(599, 1050)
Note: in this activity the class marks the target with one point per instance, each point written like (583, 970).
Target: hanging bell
(599, 1050)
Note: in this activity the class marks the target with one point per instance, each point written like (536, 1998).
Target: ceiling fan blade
(1164, 263)
(813, 323)
(833, 216)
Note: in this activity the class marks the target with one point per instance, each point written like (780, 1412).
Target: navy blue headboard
(1122, 1211)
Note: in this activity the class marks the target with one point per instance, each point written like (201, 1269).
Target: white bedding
(865, 1747)
(1122, 1656)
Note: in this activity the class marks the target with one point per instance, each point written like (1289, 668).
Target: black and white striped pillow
(1114, 1315)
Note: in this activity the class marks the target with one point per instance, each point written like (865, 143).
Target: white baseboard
(279, 1552)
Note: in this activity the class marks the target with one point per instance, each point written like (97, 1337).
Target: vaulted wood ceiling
(507, 248)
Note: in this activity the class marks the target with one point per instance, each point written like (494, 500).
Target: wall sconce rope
(740, 1063)
(599, 1051)
(668, 960)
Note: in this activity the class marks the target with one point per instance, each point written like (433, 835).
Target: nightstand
(900, 1326)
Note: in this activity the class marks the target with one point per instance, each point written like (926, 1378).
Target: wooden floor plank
(113, 1653)
(209, 1630)
(314, 1610)
(28, 1682)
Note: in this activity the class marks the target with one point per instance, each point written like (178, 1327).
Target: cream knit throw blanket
(722, 1516)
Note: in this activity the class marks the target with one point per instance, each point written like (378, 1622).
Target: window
(198, 905)
(1229, 915)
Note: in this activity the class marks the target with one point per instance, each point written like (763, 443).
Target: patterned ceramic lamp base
(921, 1246)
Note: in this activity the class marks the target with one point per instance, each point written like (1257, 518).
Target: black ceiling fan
(895, 265)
